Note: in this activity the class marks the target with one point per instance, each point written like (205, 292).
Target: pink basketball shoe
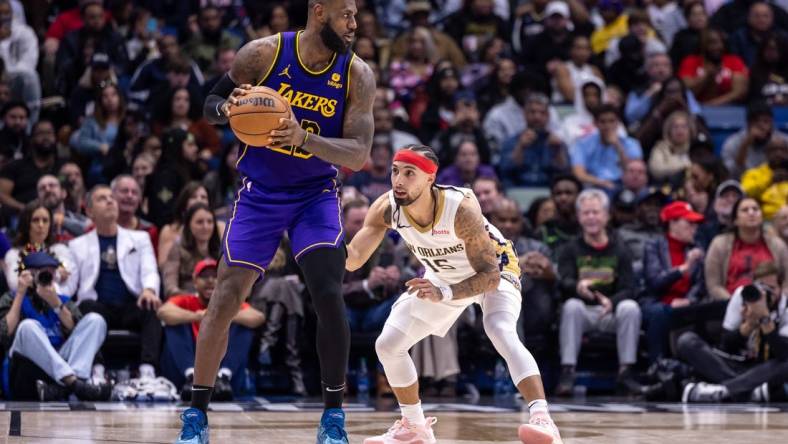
(539, 430)
(404, 433)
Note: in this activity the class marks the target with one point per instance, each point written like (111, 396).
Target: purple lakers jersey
(318, 100)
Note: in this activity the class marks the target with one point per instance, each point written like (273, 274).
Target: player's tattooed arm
(254, 60)
(353, 149)
(469, 226)
(251, 63)
(367, 240)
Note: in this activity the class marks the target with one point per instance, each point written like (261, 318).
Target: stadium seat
(781, 118)
(524, 196)
(119, 345)
(723, 121)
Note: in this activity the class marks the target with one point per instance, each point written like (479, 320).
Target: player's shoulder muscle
(362, 81)
(254, 60)
(469, 217)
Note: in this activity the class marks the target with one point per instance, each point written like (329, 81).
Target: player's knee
(226, 300)
(500, 329)
(382, 348)
(386, 348)
(329, 305)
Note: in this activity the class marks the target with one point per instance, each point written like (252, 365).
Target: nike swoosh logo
(329, 389)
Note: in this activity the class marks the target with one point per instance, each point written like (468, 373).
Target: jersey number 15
(438, 264)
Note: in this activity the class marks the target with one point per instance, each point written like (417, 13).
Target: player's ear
(319, 10)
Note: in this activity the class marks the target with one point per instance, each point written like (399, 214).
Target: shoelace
(393, 430)
(191, 426)
(333, 428)
(540, 421)
(399, 425)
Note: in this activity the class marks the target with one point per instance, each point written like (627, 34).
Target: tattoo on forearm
(479, 248)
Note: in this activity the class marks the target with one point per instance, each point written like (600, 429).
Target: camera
(752, 293)
(44, 278)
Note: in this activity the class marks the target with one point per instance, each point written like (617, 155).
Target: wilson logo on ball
(257, 101)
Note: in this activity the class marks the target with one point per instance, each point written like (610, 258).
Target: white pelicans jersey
(437, 246)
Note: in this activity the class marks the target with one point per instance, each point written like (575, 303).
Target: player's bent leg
(501, 328)
(399, 335)
(501, 310)
(232, 286)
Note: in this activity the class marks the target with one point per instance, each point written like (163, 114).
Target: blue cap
(40, 259)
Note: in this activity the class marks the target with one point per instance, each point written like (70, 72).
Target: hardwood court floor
(600, 423)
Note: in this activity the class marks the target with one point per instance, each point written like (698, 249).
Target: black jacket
(660, 274)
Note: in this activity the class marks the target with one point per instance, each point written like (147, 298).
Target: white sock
(98, 374)
(147, 371)
(538, 406)
(413, 413)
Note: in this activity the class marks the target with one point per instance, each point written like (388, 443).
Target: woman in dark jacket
(673, 269)
(177, 167)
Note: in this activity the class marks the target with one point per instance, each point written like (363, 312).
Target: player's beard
(405, 201)
(332, 40)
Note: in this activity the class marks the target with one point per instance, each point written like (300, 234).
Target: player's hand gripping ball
(255, 111)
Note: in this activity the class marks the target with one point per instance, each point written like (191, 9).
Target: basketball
(257, 113)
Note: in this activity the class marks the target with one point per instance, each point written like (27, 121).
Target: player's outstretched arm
(469, 226)
(367, 240)
(252, 62)
(352, 150)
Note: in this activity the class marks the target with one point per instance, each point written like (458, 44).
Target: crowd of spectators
(578, 124)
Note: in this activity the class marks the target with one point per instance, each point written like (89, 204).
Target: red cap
(679, 210)
(203, 264)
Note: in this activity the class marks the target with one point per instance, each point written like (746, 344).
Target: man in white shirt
(115, 275)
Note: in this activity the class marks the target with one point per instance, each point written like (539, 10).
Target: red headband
(417, 160)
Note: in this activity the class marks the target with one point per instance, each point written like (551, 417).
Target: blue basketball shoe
(332, 428)
(195, 427)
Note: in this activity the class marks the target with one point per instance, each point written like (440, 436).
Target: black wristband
(224, 87)
(212, 108)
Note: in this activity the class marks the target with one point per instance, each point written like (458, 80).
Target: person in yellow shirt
(616, 25)
(768, 182)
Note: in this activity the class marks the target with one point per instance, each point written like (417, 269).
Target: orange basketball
(257, 113)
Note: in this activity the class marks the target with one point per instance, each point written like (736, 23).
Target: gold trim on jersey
(301, 64)
(240, 158)
(347, 82)
(274, 62)
(438, 213)
(341, 227)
